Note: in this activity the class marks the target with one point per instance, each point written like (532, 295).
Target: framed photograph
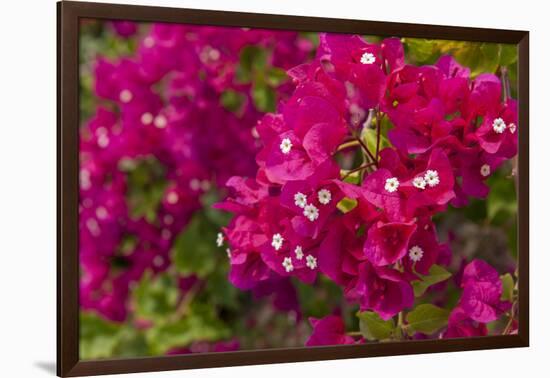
(240, 188)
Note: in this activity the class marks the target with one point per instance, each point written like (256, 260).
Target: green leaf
(98, 338)
(146, 186)
(346, 204)
(200, 324)
(156, 298)
(507, 287)
(252, 59)
(232, 100)
(264, 97)
(194, 251)
(502, 201)
(508, 55)
(437, 274)
(373, 327)
(427, 319)
(276, 76)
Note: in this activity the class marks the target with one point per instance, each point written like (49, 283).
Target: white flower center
(286, 146)
(419, 182)
(485, 170)
(287, 264)
(499, 125)
(311, 262)
(416, 253)
(125, 96)
(277, 241)
(219, 239)
(172, 198)
(324, 196)
(147, 118)
(432, 178)
(300, 200)
(391, 184)
(368, 58)
(101, 213)
(311, 212)
(103, 140)
(299, 252)
(512, 127)
(149, 42)
(160, 121)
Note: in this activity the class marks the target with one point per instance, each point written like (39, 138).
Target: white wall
(27, 185)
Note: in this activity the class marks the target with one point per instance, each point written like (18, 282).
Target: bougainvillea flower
(482, 291)
(423, 248)
(381, 289)
(387, 242)
(498, 132)
(461, 325)
(329, 330)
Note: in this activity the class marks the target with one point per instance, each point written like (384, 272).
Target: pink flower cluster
(449, 134)
(163, 104)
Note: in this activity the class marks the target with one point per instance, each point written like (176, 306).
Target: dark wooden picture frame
(68, 15)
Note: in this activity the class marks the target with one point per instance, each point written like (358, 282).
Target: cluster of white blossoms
(485, 170)
(285, 146)
(368, 58)
(311, 211)
(277, 241)
(416, 253)
(391, 184)
(499, 126)
(311, 262)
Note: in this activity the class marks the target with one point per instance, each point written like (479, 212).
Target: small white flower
(311, 212)
(512, 127)
(391, 184)
(368, 58)
(287, 264)
(300, 200)
(103, 140)
(125, 96)
(228, 251)
(485, 170)
(194, 184)
(101, 213)
(432, 178)
(172, 198)
(219, 239)
(299, 252)
(160, 121)
(416, 253)
(311, 262)
(324, 196)
(214, 54)
(147, 118)
(419, 182)
(277, 241)
(499, 125)
(286, 146)
(149, 42)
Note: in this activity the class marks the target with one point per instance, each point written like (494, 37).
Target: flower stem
(358, 169)
(346, 145)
